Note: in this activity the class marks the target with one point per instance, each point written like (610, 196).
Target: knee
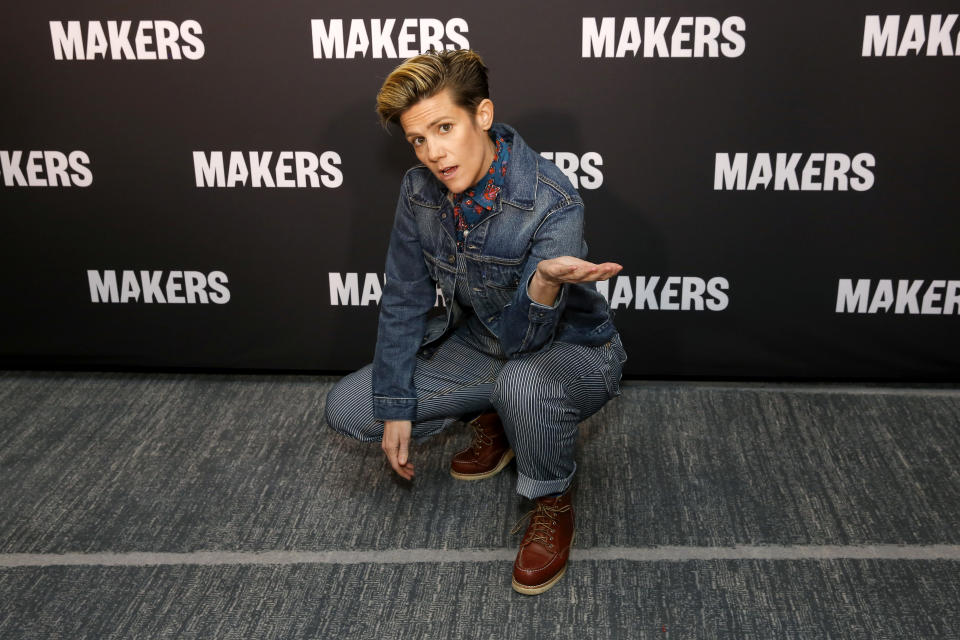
(342, 411)
(333, 413)
(520, 384)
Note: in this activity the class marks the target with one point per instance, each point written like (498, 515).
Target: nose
(434, 151)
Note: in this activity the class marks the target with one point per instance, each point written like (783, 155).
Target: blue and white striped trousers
(540, 398)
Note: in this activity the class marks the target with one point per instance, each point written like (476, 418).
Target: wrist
(541, 292)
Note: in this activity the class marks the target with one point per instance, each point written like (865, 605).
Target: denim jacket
(538, 215)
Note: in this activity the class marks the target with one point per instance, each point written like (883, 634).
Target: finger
(404, 451)
(591, 276)
(392, 458)
(404, 471)
(574, 272)
(607, 270)
(606, 266)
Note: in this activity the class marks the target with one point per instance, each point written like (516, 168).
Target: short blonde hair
(462, 71)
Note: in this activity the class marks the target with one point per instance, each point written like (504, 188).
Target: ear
(484, 115)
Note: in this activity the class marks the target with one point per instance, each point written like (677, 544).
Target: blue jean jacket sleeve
(409, 294)
(528, 326)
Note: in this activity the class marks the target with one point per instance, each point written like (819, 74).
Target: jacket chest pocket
(435, 240)
(502, 275)
(501, 282)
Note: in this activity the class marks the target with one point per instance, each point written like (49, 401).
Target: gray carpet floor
(161, 505)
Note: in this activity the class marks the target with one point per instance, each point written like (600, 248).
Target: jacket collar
(519, 185)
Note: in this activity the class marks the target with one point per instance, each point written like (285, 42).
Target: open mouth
(448, 172)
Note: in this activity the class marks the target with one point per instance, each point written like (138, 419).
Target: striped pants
(540, 398)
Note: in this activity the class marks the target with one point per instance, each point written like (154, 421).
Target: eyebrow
(429, 126)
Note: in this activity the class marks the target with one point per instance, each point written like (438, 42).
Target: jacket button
(443, 215)
(451, 259)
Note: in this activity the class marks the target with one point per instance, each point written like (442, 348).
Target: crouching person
(526, 349)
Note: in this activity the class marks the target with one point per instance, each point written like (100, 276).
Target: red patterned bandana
(473, 204)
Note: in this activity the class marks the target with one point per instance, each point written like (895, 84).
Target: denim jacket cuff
(528, 325)
(385, 408)
(541, 313)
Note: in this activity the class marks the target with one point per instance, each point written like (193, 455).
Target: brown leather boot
(542, 559)
(487, 455)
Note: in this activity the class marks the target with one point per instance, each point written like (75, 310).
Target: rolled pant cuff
(533, 489)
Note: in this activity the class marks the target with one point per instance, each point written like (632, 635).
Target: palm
(568, 269)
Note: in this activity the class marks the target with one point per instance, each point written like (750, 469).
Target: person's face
(449, 140)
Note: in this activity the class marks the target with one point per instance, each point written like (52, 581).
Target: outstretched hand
(553, 273)
(557, 271)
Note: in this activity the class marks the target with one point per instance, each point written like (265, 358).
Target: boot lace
(543, 522)
(480, 438)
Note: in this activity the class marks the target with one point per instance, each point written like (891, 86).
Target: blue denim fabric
(538, 215)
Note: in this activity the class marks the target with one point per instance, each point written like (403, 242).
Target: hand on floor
(396, 444)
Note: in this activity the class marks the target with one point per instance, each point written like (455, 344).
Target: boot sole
(504, 461)
(540, 588)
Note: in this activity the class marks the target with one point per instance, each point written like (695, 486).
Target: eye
(446, 126)
(416, 141)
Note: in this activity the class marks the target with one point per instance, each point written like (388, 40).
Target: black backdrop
(802, 274)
